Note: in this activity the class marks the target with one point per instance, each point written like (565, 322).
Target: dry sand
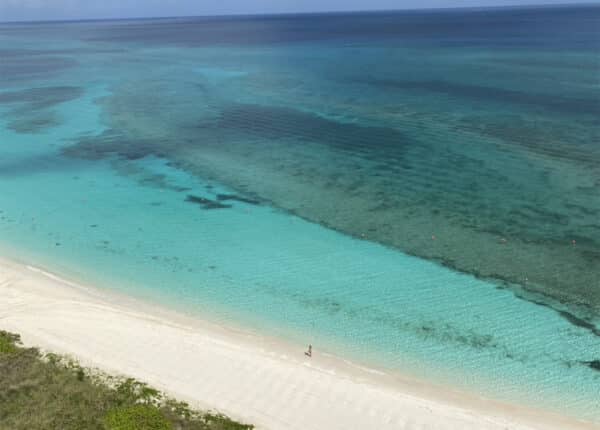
(252, 378)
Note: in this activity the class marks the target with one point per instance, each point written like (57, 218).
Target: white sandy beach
(258, 380)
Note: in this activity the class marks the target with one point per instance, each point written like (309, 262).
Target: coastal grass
(46, 391)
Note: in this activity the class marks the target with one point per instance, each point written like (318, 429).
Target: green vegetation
(137, 416)
(8, 343)
(41, 392)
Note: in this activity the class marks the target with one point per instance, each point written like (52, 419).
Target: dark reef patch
(110, 143)
(234, 197)
(282, 123)
(543, 137)
(24, 68)
(34, 123)
(206, 203)
(550, 102)
(31, 108)
(41, 98)
(594, 364)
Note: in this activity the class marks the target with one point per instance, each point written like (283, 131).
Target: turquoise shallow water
(391, 188)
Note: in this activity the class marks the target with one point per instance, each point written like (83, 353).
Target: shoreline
(261, 380)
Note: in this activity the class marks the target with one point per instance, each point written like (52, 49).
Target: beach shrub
(132, 390)
(221, 422)
(137, 417)
(8, 342)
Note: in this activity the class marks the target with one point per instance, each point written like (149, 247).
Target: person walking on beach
(309, 352)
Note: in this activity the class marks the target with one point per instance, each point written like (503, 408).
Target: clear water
(417, 191)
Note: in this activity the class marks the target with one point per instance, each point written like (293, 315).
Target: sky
(19, 10)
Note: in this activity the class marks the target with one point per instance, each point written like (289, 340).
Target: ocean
(416, 191)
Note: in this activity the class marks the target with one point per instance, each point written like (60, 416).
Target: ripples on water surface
(187, 156)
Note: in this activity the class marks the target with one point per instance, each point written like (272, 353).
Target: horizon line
(292, 13)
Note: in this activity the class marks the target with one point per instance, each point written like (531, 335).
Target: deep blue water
(419, 191)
